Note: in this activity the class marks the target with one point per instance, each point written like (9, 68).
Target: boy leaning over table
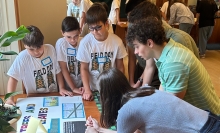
(36, 67)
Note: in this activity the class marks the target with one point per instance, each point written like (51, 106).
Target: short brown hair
(33, 39)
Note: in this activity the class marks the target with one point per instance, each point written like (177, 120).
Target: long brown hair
(115, 90)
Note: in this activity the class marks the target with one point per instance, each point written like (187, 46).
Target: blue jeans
(212, 125)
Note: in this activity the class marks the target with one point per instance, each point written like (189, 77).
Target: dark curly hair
(143, 10)
(148, 28)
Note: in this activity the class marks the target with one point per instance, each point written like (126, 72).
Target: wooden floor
(211, 63)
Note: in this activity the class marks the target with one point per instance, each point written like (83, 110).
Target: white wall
(8, 22)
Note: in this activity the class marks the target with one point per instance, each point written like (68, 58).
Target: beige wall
(45, 14)
(192, 2)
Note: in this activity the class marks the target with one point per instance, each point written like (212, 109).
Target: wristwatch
(140, 80)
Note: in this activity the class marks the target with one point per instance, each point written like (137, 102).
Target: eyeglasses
(97, 28)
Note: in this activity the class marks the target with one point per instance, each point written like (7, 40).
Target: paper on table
(34, 124)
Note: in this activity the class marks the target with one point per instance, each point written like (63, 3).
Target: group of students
(169, 62)
(78, 9)
(175, 11)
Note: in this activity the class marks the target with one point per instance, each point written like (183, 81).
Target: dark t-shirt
(207, 12)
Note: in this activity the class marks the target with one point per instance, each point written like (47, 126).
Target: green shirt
(180, 70)
(178, 36)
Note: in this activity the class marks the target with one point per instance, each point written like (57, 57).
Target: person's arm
(84, 68)
(68, 79)
(164, 16)
(61, 85)
(120, 65)
(131, 65)
(69, 13)
(11, 87)
(174, 82)
(117, 10)
(82, 20)
(149, 71)
(197, 18)
(92, 124)
(172, 15)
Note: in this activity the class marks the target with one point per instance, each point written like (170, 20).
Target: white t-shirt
(37, 74)
(84, 6)
(67, 53)
(164, 7)
(112, 15)
(100, 55)
(74, 11)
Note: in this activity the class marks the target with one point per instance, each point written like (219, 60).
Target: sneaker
(202, 56)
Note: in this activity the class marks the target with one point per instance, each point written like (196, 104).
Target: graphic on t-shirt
(44, 77)
(40, 84)
(101, 61)
(51, 82)
(71, 67)
(75, 12)
(95, 64)
(72, 62)
(78, 68)
(107, 64)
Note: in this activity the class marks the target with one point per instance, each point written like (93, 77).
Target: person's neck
(159, 49)
(105, 36)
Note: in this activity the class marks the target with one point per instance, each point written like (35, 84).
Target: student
(114, 13)
(99, 50)
(181, 14)
(36, 67)
(74, 9)
(179, 71)
(206, 11)
(85, 29)
(164, 10)
(146, 109)
(66, 49)
(79, 5)
(145, 72)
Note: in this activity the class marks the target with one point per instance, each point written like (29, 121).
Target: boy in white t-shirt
(74, 9)
(66, 49)
(114, 13)
(36, 67)
(83, 6)
(99, 50)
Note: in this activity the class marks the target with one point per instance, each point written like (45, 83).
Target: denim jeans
(212, 125)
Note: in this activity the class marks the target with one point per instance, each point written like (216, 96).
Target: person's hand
(10, 101)
(64, 92)
(91, 130)
(87, 95)
(91, 122)
(78, 91)
(138, 84)
(132, 84)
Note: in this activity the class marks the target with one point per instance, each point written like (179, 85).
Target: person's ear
(150, 43)
(62, 32)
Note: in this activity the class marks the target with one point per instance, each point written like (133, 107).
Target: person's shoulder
(86, 38)
(71, 4)
(23, 54)
(60, 41)
(49, 47)
(114, 37)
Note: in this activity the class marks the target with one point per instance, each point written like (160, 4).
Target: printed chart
(57, 114)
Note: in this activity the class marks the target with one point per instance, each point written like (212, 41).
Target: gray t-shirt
(160, 112)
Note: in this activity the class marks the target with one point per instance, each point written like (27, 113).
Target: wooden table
(89, 106)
